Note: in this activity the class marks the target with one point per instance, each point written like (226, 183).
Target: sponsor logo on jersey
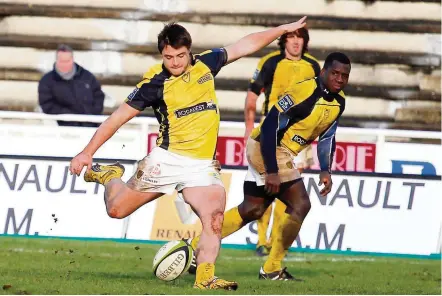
(256, 74)
(195, 109)
(286, 102)
(132, 94)
(300, 140)
(186, 77)
(206, 77)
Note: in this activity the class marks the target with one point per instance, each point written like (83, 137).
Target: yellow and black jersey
(185, 106)
(307, 110)
(275, 73)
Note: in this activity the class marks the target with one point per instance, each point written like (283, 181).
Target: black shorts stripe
(161, 112)
(250, 188)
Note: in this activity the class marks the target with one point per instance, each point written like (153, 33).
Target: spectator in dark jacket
(70, 89)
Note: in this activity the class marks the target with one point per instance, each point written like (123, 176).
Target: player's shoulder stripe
(156, 72)
(341, 94)
(274, 56)
(340, 97)
(197, 56)
(204, 52)
(308, 57)
(313, 61)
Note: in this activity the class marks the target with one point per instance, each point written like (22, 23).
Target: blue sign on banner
(426, 168)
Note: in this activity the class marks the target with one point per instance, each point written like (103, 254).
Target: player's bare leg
(252, 208)
(209, 203)
(298, 206)
(120, 200)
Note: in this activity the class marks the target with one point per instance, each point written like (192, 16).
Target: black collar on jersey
(322, 85)
(165, 69)
(327, 94)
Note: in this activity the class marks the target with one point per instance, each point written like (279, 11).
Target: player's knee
(213, 221)
(305, 207)
(251, 212)
(302, 208)
(216, 223)
(115, 212)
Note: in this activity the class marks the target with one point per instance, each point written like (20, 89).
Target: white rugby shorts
(165, 171)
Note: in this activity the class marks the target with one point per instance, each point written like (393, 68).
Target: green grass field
(53, 266)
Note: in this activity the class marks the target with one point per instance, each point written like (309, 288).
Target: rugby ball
(172, 260)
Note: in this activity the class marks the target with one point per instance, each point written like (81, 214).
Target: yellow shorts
(256, 170)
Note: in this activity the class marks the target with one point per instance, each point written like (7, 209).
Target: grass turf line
(53, 266)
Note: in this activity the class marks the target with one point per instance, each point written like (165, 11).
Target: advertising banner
(41, 197)
(350, 157)
(367, 214)
(362, 213)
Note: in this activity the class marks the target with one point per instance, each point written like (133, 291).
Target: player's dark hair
(301, 33)
(336, 56)
(174, 35)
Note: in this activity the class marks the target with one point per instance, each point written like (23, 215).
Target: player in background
(307, 110)
(275, 73)
(181, 91)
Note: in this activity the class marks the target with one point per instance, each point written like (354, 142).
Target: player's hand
(272, 183)
(292, 27)
(325, 179)
(79, 162)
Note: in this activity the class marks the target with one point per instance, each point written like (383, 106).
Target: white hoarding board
(373, 213)
(41, 197)
(362, 213)
(366, 214)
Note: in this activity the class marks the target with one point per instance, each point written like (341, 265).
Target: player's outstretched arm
(255, 41)
(106, 130)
